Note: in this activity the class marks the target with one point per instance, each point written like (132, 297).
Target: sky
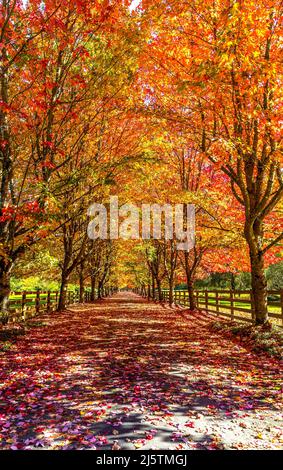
(134, 4)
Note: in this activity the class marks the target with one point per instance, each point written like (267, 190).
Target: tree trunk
(192, 303)
(233, 281)
(171, 292)
(259, 289)
(190, 275)
(82, 288)
(153, 287)
(99, 291)
(148, 291)
(63, 292)
(5, 270)
(92, 291)
(254, 237)
(159, 291)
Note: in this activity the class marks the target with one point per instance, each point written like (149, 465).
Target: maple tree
(154, 101)
(182, 173)
(57, 61)
(215, 68)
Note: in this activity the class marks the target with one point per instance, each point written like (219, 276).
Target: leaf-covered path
(132, 374)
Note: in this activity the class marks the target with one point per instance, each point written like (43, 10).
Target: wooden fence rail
(235, 305)
(28, 304)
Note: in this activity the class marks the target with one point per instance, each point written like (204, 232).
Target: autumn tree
(58, 58)
(219, 64)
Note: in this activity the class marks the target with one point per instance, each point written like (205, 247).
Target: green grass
(246, 305)
(5, 346)
(30, 300)
(224, 305)
(271, 308)
(16, 300)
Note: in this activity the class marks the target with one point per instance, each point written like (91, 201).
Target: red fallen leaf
(39, 429)
(155, 408)
(102, 439)
(190, 424)
(213, 446)
(179, 447)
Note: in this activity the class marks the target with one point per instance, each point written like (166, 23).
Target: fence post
(217, 301)
(24, 298)
(206, 300)
(187, 301)
(37, 302)
(197, 298)
(232, 303)
(48, 304)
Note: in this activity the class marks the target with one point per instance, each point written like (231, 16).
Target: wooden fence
(235, 305)
(28, 304)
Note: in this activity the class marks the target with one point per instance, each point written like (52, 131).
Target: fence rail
(28, 304)
(233, 304)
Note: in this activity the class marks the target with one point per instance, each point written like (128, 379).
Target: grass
(225, 305)
(6, 346)
(36, 324)
(246, 305)
(16, 300)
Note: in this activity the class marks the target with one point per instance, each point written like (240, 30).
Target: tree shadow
(128, 371)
